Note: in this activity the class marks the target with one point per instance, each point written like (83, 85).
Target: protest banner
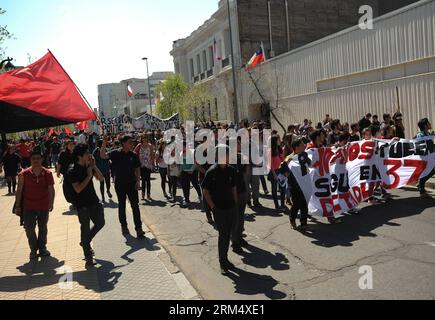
(149, 122)
(125, 123)
(336, 180)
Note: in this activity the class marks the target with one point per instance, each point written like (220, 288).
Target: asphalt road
(394, 242)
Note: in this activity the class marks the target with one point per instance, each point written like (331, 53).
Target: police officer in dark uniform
(126, 167)
(220, 192)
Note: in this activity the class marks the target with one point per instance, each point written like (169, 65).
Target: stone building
(280, 25)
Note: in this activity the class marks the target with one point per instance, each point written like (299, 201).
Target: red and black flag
(41, 95)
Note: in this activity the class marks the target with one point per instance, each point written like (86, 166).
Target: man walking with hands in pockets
(220, 192)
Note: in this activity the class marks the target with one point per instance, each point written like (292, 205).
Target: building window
(204, 61)
(198, 64)
(211, 53)
(192, 69)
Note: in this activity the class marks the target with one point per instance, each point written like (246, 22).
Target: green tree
(4, 35)
(173, 90)
(196, 103)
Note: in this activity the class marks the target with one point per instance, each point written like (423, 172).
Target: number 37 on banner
(399, 170)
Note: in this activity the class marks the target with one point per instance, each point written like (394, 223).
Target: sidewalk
(21, 279)
(128, 268)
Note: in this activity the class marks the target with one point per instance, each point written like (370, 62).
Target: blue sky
(102, 41)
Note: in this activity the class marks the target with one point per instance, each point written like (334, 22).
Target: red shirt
(35, 192)
(24, 150)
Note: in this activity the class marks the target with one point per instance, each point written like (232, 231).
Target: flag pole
(78, 89)
(233, 67)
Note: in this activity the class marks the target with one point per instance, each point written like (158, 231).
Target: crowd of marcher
(128, 161)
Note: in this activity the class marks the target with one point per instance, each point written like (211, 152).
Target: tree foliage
(4, 35)
(196, 103)
(173, 91)
(179, 97)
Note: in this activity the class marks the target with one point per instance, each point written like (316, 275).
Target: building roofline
(187, 41)
(354, 28)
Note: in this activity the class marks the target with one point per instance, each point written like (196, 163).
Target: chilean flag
(129, 91)
(258, 58)
(41, 95)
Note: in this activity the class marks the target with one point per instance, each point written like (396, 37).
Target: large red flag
(39, 96)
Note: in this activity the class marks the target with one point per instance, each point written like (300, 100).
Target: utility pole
(235, 98)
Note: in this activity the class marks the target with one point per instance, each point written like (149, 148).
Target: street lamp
(149, 86)
(8, 67)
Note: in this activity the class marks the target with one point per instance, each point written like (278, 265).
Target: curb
(166, 256)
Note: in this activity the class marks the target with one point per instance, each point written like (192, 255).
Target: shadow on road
(110, 205)
(155, 203)
(262, 259)
(107, 276)
(264, 211)
(248, 283)
(48, 272)
(369, 219)
(137, 245)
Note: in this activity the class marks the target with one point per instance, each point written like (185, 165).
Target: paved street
(128, 268)
(397, 239)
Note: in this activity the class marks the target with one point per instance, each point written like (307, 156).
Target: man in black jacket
(220, 192)
(85, 199)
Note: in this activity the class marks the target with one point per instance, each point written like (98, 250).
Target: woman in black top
(11, 164)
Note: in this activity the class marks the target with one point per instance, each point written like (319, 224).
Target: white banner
(335, 181)
(125, 123)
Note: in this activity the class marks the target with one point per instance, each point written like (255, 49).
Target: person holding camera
(85, 199)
